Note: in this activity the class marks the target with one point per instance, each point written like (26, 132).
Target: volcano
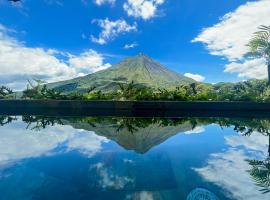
(140, 69)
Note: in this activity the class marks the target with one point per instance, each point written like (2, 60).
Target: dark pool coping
(134, 108)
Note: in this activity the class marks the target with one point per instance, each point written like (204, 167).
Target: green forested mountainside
(141, 69)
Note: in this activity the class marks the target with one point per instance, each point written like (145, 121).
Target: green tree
(5, 92)
(260, 46)
(39, 90)
(4, 120)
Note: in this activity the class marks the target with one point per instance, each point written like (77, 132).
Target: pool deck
(134, 108)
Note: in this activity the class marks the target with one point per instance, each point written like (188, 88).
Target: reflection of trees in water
(133, 124)
(260, 169)
(40, 122)
(4, 120)
(260, 172)
(244, 126)
(33, 122)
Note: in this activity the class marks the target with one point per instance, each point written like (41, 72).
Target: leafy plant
(39, 90)
(260, 172)
(40, 122)
(4, 120)
(5, 92)
(260, 46)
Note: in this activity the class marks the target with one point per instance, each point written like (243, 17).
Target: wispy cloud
(19, 5)
(196, 77)
(56, 2)
(144, 9)
(229, 38)
(111, 30)
(102, 2)
(108, 179)
(130, 46)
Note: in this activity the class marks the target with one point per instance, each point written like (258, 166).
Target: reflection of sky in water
(16, 143)
(228, 169)
(61, 162)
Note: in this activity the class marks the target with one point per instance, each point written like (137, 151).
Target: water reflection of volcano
(62, 158)
(139, 135)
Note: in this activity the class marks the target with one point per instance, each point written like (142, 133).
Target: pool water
(87, 158)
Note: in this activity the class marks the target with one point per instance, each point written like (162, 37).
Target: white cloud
(86, 142)
(111, 29)
(56, 2)
(144, 9)
(228, 169)
(19, 62)
(108, 179)
(255, 68)
(196, 77)
(17, 144)
(229, 38)
(101, 2)
(197, 130)
(88, 62)
(130, 46)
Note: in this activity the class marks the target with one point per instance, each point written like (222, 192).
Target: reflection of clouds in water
(256, 142)
(16, 143)
(128, 161)
(108, 180)
(199, 129)
(143, 195)
(229, 169)
(87, 143)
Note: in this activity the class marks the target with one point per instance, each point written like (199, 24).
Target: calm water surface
(126, 158)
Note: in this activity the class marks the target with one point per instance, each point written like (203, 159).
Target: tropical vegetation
(251, 90)
(260, 46)
(5, 92)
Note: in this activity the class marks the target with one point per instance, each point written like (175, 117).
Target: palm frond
(260, 173)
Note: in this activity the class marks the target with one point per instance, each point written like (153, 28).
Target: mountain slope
(140, 69)
(141, 139)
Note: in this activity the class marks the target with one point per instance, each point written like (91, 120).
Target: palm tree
(260, 172)
(260, 46)
(260, 169)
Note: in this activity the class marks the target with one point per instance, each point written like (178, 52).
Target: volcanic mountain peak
(140, 69)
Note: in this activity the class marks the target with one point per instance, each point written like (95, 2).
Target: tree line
(251, 90)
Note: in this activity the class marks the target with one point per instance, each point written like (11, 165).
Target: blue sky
(61, 39)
